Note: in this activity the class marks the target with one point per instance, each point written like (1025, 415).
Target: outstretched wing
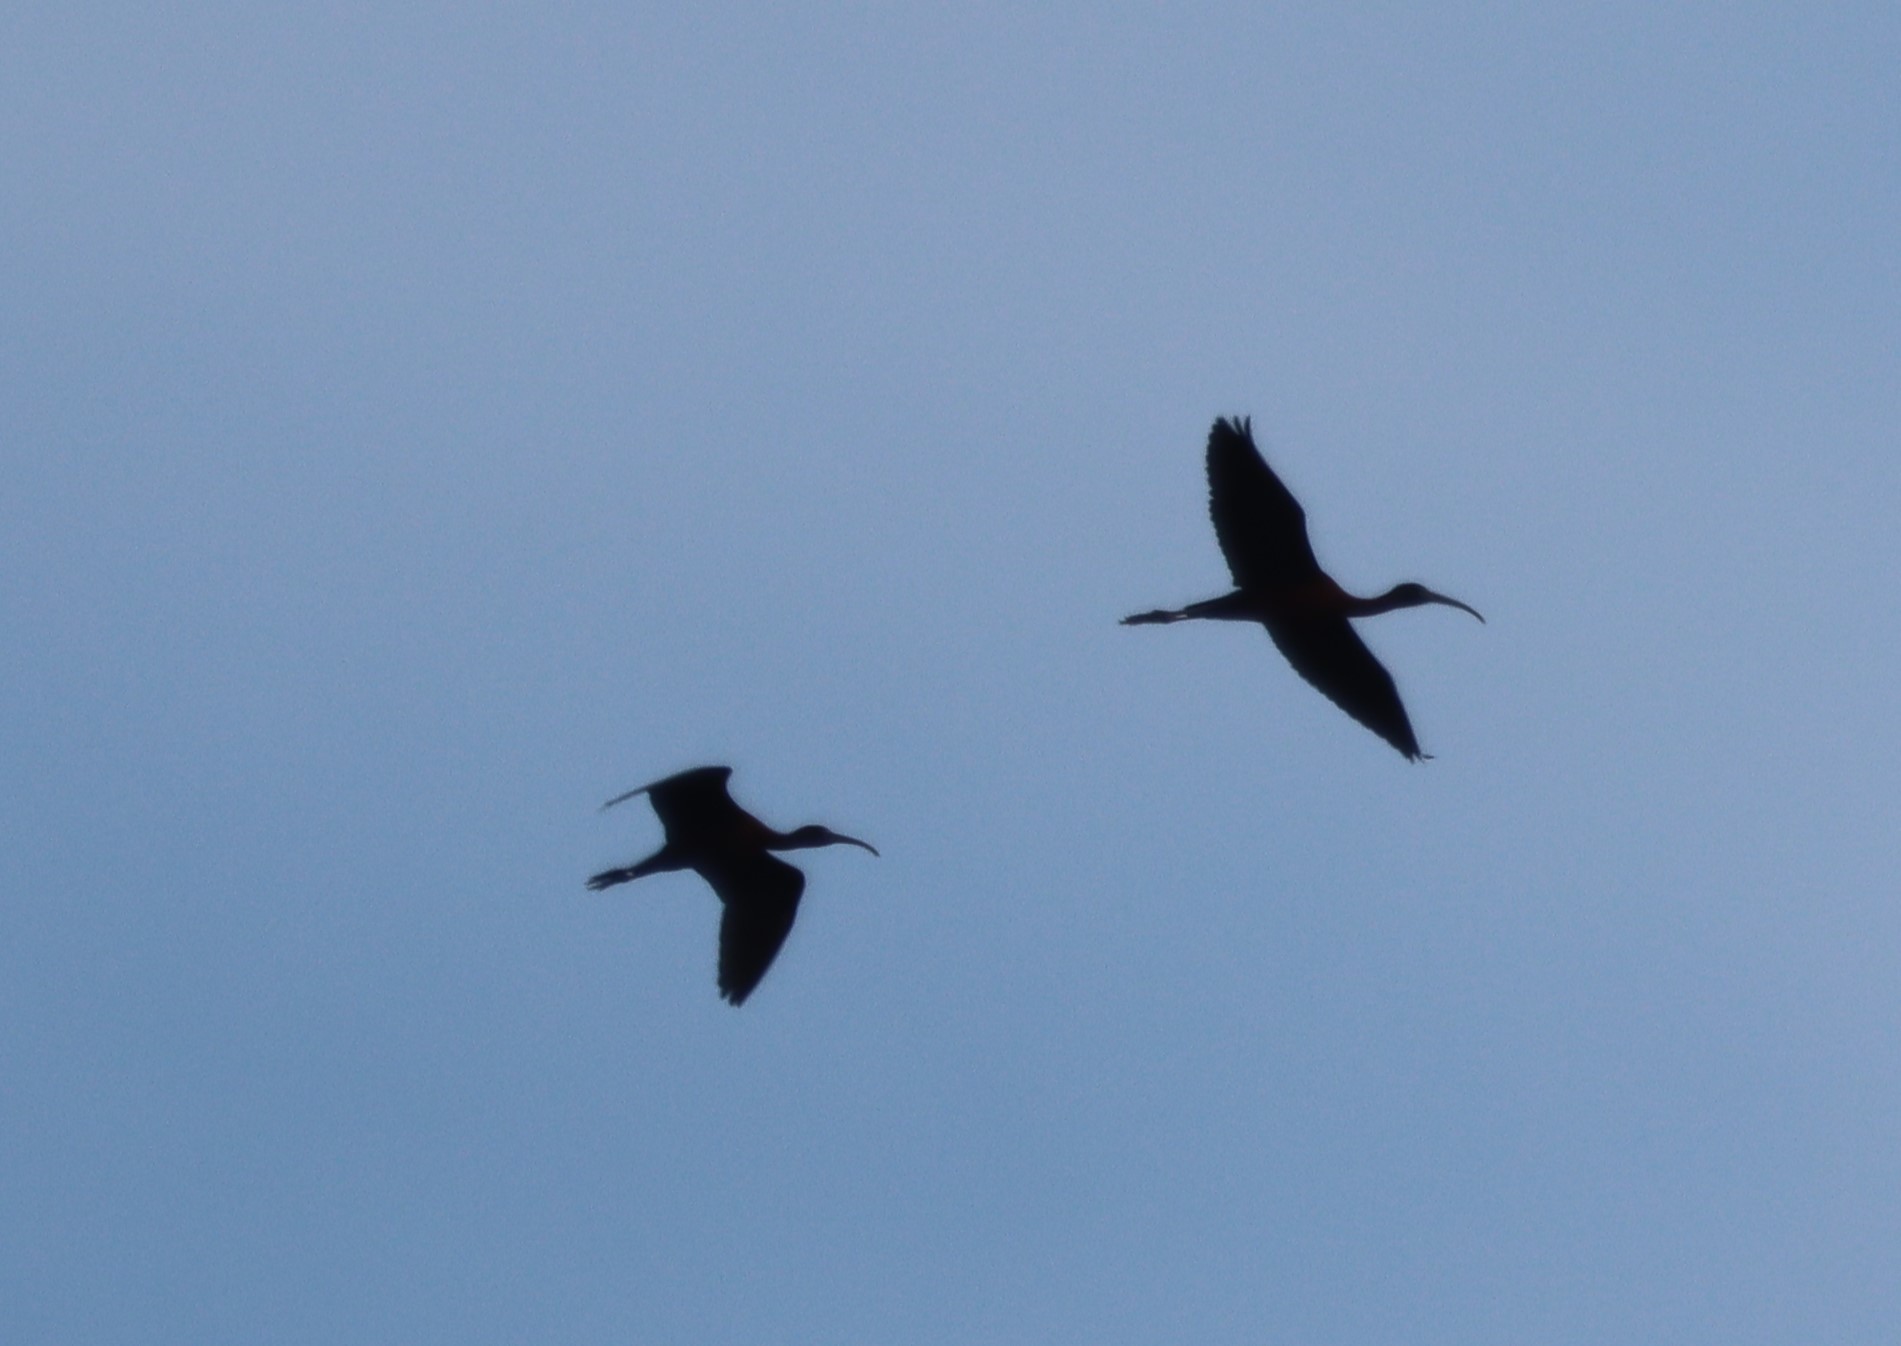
(1329, 653)
(760, 893)
(686, 799)
(1261, 527)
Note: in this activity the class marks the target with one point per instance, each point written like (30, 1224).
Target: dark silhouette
(725, 845)
(1278, 583)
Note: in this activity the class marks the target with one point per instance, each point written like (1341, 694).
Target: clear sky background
(423, 421)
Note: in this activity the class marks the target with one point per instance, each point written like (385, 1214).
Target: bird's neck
(799, 839)
(1389, 601)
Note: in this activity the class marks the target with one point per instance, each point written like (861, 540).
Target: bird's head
(1410, 595)
(814, 835)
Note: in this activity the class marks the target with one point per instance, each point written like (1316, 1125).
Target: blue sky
(426, 421)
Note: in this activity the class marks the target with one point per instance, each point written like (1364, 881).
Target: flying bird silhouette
(732, 850)
(1263, 534)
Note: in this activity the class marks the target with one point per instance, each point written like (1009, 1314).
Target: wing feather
(1261, 527)
(1330, 655)
(760, 893)
(687, 800)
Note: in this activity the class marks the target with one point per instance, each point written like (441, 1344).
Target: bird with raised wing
(709, 834)
(1263, 534)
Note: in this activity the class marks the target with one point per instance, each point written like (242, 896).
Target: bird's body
(1278, 582)
(732, 850)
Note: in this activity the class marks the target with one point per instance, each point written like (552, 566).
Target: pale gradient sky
(424, 421)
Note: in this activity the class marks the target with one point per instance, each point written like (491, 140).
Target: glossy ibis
(1278, 583)
(732, 850)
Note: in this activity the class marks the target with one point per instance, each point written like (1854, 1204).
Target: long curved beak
(1454, 603)
(854, 841)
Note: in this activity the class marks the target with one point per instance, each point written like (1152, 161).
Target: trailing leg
(657, 863)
